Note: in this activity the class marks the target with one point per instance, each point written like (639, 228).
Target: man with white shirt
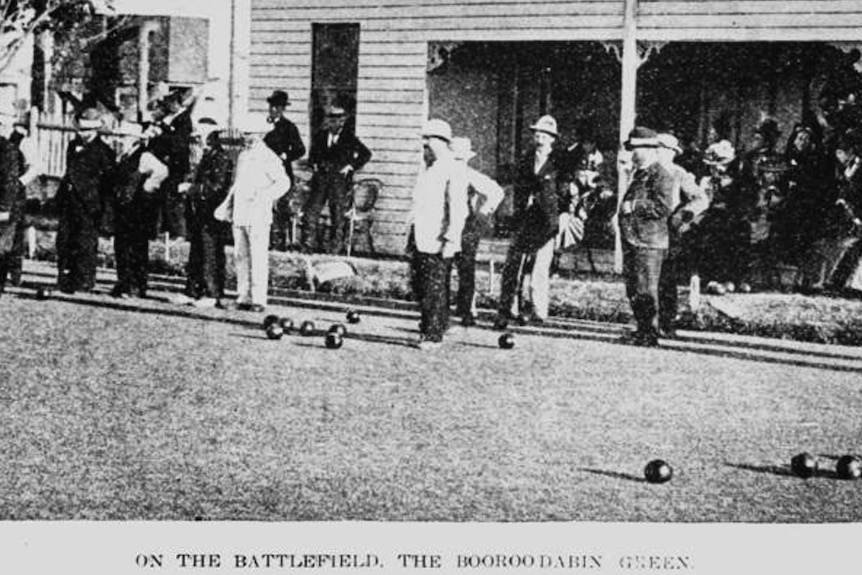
(260, 180)
(483, 197)
(438, 216)
(536, 223)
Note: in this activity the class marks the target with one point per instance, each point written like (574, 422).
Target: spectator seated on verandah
(833, 261)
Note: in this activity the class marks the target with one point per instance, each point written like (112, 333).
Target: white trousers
(251, 258)
(538, 283)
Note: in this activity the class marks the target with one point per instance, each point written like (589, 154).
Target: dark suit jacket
(9, 196)
(88, 167)
(348, 150)
(536, 221)
(285, 141)
(651, 195)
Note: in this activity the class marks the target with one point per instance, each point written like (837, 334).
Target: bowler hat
(279, 99)
(335, 112)
(546, 124)
(769, 129)
(641, 137)
(462, 148)
(437, 129)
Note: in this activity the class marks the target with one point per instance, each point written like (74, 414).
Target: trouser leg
(540, 280)
(259, 250)
(467, 268)
(643, 271)
(213, 262)
(311, 217)
(431, 271)
(511, 279)
(339, 201)
(242, 257)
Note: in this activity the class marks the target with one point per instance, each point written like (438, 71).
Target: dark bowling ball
(274, 331)
(803, 465)
(269, 320)
(849, 467)
(41, 294)
(286, 325)
(339, 329)
(307, 328)
(353, 316)
(333, 340)
(506, 341)
(658, 471)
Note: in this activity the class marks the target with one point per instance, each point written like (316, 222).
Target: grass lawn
(115, 413)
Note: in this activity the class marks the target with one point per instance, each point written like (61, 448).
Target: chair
(359, 216)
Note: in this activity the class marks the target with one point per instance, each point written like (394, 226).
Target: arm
(658, 206)
(8, 180)
(457, 210)
(487, 188)
(359, 156)
(296, 148)
(155, 171)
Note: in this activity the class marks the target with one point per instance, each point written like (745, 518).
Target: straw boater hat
(279, 99)
(89, 119)
(462, 149)
(437, 129)
(719, 154)
(669, 141)
(546, 124)
(641, 137)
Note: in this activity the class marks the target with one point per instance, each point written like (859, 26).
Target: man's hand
(449, 250)
(184, 188)
(4, 216)
(345, 171)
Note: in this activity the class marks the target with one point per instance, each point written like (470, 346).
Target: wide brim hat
(719, 154)
(278, 98)
(89, 119)
(670, 142)
(546, 124)
(641, 137)
(462, 148)
(437, 129)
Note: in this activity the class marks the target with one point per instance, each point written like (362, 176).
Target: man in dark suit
(643, 221)
(285, 141)
(11, 204)
(536, 223)
(171, 147)
(336, 153)
(80, 200)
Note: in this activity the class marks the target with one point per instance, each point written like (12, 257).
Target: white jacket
(440, 206)
(260, 180)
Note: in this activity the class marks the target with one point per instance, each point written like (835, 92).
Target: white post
(630, 62)
(240, 49)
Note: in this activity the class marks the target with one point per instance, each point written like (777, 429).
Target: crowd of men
(152, 185)
(718, 214)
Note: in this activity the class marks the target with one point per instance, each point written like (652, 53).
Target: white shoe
(181, 299)
(205, 302)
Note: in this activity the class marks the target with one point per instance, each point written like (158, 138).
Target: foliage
(22, 19)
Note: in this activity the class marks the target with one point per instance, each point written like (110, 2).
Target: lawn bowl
(306, 328)
(41, 294)
(506, 341)
(803, 465)
(274, 331)
(658, 471)
(353, 316)
(269, 320)
(338, 329)
(333, 340)
(849, 467)
(286, 325)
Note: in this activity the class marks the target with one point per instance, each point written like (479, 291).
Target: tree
(20, 20)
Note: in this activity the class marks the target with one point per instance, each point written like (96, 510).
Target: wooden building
(491, 67)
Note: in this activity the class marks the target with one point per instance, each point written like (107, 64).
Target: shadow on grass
(368, 338)
(785, 471)
(615, 474)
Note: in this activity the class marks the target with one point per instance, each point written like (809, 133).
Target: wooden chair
(361, 212)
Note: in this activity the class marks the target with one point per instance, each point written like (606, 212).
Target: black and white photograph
(468, 285)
